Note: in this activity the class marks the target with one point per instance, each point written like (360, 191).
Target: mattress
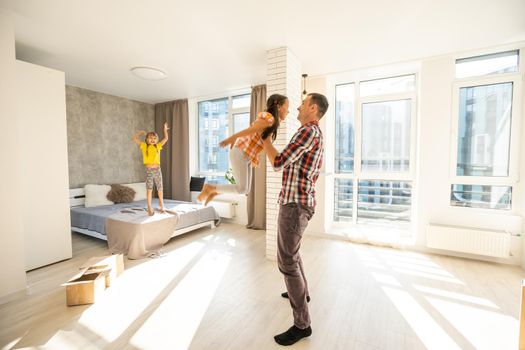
(94, 218)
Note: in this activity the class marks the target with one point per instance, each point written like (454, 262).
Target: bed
(129, 230)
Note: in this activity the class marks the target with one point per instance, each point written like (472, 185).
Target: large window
(374, 151)
(218, 119)
(485, 146)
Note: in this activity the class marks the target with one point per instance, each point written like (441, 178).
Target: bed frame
(77, 199)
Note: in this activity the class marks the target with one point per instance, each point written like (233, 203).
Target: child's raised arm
(258, 126)
(137, 135)
(165, 139)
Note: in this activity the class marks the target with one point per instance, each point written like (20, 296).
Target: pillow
(196, 183)
(140, 190)
(121, 194)
(96, 195)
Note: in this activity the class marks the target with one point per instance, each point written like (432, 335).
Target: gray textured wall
(99, 132)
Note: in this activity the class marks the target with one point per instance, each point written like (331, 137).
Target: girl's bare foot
(150, 212)
(162, 210)
(210, 197)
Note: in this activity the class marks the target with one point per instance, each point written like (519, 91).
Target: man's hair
(321, 101)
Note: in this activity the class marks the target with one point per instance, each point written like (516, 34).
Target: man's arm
(302, 142)
(271, 152)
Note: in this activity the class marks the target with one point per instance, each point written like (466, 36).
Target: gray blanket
(131, 231)
(94, 219)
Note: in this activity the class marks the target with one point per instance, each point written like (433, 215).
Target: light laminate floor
(215, 290)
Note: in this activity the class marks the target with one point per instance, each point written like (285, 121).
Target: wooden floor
(215, 290)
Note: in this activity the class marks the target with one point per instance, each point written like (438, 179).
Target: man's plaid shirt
(301, 160)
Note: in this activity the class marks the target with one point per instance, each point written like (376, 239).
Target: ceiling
(210, 46)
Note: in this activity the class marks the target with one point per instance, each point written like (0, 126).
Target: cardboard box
(114, 264)
(85, 287)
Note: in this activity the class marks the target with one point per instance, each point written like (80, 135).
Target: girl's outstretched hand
(166, 126)
(227, 142)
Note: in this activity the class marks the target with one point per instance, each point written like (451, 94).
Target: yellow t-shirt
(153, 154)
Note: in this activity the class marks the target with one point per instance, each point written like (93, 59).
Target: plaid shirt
(301, 159)
(252, 145)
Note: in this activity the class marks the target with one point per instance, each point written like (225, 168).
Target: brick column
(283, 77)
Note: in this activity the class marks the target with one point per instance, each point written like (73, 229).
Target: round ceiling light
(149, 73)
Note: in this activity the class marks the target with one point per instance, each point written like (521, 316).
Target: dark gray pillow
(196, 183)
(121, 194)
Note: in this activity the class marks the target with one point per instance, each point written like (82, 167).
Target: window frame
(230, 117)
(357, 174)
(485, 54)
(515, 129)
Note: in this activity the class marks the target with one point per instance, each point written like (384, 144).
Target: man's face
(305, 109)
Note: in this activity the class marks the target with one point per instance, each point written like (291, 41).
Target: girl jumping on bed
(245, 147)
(151, 158)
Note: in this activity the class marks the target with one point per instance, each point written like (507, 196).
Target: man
(301, 160)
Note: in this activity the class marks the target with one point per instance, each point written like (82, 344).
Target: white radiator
(469, 240)
(225, 209)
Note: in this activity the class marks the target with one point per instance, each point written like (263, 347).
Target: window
(217, 119)
(497, 63)
(344, 200)
(345, 131)
(385, 143)
(484, 130)
(241, 101)
(481, 196)
(485, 141)
(377, 116)
(387, 86)
(215, 113)
(241, 121)
(384, 201)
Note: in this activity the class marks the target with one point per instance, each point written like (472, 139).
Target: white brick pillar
(283, 76)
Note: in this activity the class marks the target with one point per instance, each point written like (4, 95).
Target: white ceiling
(209, 46)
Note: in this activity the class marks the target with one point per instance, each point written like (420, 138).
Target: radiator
(469, 240)
(225, 209)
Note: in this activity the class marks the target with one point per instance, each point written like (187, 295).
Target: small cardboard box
(114, 264)
(85, 287)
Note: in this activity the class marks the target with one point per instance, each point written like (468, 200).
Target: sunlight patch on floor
(482, 328)
(429, 276)
(425, 269)
(456, 296)
(134, 291)
(425, 327)
(386, 279)
(175, 322)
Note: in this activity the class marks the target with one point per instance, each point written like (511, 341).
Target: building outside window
(217, 119)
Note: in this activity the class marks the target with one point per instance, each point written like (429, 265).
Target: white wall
(12, 259)
(43, 141)
(431, 202)
(522, 166)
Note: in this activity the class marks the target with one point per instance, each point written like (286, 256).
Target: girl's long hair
(272, 106)
(146, 141)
